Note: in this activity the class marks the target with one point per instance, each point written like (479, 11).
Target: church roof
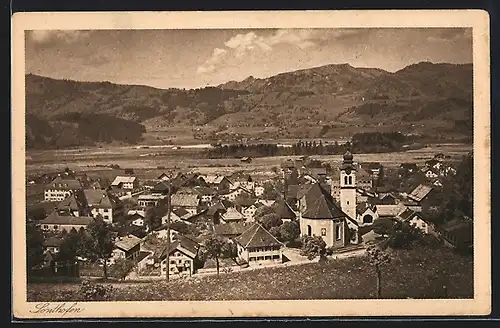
(284, 210)
(320, 204)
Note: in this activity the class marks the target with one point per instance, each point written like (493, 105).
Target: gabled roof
(389, 210)
(244, 201)
(100, 198)
(363, 206)
(420, 192)
(257, 236)
(65, 184)
(216, 208)
(185, 200)
(122, 179)
(214, 179)
(183, 244)
(181, 212)
(160, 187)
(73, 202)
(55, 218)
(284, 210)
(362, 175)
(232, 214)
(231, 228)
(128, 242)
(320, 205)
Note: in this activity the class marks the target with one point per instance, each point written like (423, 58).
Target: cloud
(303, 39)
(96, 60)
(450, 34)
(44, 37)
(211, 64)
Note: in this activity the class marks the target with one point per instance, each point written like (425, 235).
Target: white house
(232, 215)
(125, 182)
(257, 246)
(61, 188)
(182, 256)
(102, 203)
(430, 173)
(417, 220)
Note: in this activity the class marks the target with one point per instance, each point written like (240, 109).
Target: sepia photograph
(183, 164)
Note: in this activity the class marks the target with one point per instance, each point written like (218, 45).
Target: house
(183, 257)
(218, 182)
(141, 212)
(437, 183)
(267, 202)
(144, 259)
(128, 171)
(249, 211)
(430, 173)
(232, 215)
(408, 168)
(439, 156)
(232, 195)
(100, 183)
(433, 163)
(60, 188)
(181, 213)
(417, 220)
(188, 202)
(127, 247)
(231, 230)
(125, 182)
(389, 211)
(103, 203)
(257, 246)
(457, 233)
(258, 191)
(364, 180)
(386, 199)
(52, 244)
(366, 214)
(160, 189)
(74, 205)
(375, 169)
(150, 200)
(425, 196)
(246, 160)
(137, 220)
(319, 215)
(58, 223)
(162, 232)
(126, 230)
(285, 212)
(163, 177)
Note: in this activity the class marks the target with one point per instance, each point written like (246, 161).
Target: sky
(198, 58)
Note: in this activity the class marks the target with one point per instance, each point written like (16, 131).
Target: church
(320, 215)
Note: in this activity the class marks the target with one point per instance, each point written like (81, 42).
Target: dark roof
(128, 242)
(142, 256)
(409, 214)
(320, 205)
(180, 212)
(244, 201)
(297, 191)
(217, 207)
(231, 228)
(128, 229)
(183, 242)
(257, 236)
(74, 202)
(65, 184)
(160, 187)
(55, 218)
(284, 210)
(100, 198)
(363, 206)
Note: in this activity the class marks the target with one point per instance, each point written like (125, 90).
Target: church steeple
(348, 185)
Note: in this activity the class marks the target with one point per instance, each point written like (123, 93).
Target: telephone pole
(169, 203)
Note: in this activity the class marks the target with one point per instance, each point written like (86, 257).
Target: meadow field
(419, 273)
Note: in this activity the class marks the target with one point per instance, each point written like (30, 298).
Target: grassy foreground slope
(419, 273)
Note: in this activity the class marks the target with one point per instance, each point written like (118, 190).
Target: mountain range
(324, 101)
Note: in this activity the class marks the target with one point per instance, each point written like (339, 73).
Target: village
(185, 224)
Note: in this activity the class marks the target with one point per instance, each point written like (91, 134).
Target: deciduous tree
(100, 242)
(313, 246)
(378, 258)
(213, 247)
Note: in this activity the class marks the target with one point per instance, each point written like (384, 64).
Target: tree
(70, 246)
(151, 218)
(378, 258)
(229, 250)
(313, 246)
(275, 231)
(100, 242)
(34, 246)
(270, 220)
(122, 268)
(214, 249)
(270, 191)
(289, 231)
(262, 211)
(384, 227)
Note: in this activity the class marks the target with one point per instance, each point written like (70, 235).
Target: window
(105, 210)
(276, 257)
(345, 180)
(309, 230)
(252, 259)
(45, 226)
(367, 218)
(172, 261)
(323, 231)
(350, 180)
(56, 227)
(338, 232)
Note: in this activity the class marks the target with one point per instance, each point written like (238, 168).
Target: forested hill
(315, 102)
